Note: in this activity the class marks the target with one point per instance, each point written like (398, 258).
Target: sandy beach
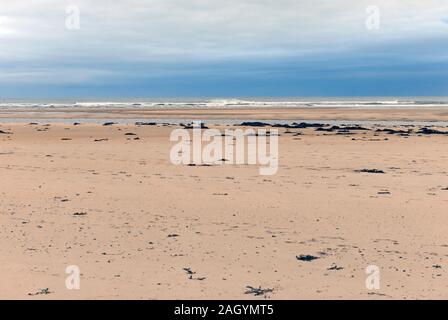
(429, 114)
(140, 227)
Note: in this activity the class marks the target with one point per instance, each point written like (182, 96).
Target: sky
(222, 48)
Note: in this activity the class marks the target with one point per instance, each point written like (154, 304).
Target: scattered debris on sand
(192, 126)
(306, 257)
(425, 130)
(145, 123)
(344, 129)
(331, 129)
(335, 268)
(44, 291)
(393, 131)
(369, 171)
(190, 274)
(80, 214)
(254, 124)
(376, 294)
(295, 125)
(257, 291)
(172, 235)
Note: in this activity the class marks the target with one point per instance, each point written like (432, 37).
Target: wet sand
(92, 196)
(324, 114)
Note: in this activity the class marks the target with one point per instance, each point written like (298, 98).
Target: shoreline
(426, 114)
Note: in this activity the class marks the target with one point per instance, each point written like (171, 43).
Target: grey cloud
(123, 31)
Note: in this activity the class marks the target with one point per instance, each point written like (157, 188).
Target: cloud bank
(131, 44)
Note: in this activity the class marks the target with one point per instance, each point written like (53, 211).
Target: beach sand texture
(92, 196)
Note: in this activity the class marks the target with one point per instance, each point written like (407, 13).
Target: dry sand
(146, 219)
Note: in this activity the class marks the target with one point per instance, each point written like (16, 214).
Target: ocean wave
(226, 103)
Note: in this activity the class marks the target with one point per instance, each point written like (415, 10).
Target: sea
(223, 103)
